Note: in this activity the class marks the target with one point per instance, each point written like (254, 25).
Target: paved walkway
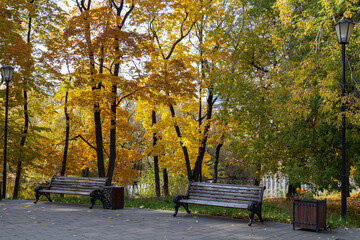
(21, 219)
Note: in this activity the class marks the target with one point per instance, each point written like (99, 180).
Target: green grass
(274, 210)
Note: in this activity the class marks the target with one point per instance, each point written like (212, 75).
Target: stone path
(21, 219)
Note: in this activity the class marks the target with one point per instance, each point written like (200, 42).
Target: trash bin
(113, 197)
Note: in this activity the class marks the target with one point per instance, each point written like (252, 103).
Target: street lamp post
(343, 32)
(7, 73)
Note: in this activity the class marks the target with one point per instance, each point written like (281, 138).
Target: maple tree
(100, 45)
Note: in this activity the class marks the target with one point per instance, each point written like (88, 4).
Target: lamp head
(343, 30)
(7, 73)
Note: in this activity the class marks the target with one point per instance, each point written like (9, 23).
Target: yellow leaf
(110, 218)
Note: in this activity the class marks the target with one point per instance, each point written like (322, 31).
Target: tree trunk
(85, 172)
(96, 87)
(112, 157)
(184, 148)
(166, 182)
(119, 24)
(216, 164)
(197, 173)
(291, 192)
(17, 180)
(66, 147)
(26, 120)
(156, 158)
(202, 149)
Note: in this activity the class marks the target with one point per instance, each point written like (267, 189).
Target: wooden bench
(223, 195)
(85, 186)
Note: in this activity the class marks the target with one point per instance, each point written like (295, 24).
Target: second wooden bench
(223, 195)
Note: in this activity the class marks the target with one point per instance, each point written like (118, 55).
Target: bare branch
(82, 138)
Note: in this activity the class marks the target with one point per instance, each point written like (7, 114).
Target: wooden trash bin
(113, 197)
(309, 214)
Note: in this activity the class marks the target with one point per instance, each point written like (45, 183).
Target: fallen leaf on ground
(142, 206)
(32, 217)
(110, 218)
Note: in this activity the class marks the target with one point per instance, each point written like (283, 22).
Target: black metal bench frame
(93, 187)
(222, 195)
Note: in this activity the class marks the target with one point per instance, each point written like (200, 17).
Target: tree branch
(82, 138)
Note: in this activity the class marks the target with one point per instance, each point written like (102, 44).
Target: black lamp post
(343, 31)
(7, 73)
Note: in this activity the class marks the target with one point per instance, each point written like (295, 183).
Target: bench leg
(47, 195)
(38, 193)
(93, 200)
(176, 206)
(186, 208)
(251, 216)
(37, 196)
(94, 195)
(260, 216)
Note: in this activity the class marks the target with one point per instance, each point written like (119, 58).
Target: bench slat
(73, 188)
(65, 192)
(222, 198)
(57, 181)
(76, 185)
(214, 203)
(253, 191)
(206, 198)
(225, 186)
